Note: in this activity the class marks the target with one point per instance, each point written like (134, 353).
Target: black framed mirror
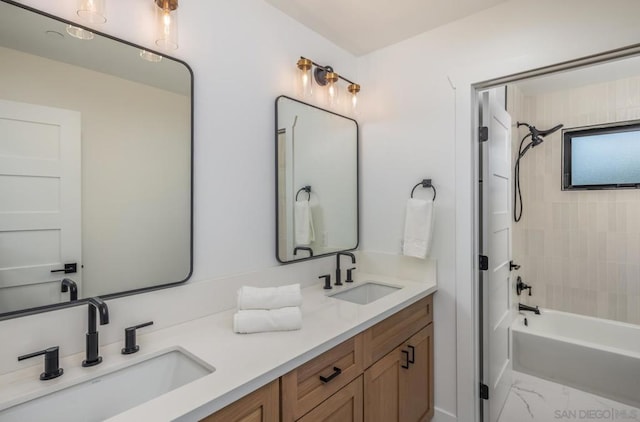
(96, 152)
(317, 161)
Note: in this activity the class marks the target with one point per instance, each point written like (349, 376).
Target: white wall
(420, 126)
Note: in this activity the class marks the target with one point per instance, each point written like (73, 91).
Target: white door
(40, 223)
(496, 244)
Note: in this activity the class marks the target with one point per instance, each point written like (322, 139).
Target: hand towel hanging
(418, 228)
(303, 222)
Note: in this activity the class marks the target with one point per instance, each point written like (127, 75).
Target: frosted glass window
(602, 158)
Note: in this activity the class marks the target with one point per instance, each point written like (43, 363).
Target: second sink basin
(367, 292)
(107, 395)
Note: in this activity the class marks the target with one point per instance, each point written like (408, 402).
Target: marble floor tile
(537, 400)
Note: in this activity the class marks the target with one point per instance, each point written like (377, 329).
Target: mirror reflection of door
(40, 224)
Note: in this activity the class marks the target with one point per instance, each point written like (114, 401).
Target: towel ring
(306, 189)
(426, 183)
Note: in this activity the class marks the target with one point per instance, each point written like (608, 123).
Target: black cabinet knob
(130, 343)
(51, 362)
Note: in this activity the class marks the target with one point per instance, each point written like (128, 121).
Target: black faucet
(522, 307)
(338, 272)
(95, 304)
(302, 248)
(70, 286)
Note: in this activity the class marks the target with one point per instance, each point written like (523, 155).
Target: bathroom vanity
(384, 374)
(274, 375)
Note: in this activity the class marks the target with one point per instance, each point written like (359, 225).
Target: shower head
(538, 135)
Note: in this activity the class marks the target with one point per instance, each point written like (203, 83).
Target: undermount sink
(109, 394)
(367, 292)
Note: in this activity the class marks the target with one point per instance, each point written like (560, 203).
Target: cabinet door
(343, 406)
(260, 406)
(416, 386)
(399, 387)
(382, 389)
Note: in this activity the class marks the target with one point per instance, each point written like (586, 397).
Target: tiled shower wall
(580, 250)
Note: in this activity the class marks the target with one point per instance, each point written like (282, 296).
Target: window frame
(567, 137)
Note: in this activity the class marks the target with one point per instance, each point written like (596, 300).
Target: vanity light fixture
(167, 24)
(92, 11)
(305, 66)
(324, 76)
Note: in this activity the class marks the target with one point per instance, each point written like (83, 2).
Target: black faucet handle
(51, 362)
(327, 281)
(349, 275)
(130, 343)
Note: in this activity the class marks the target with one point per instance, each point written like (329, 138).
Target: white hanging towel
(269, 297)
(257, 321)
(303, 222)
(418, 226)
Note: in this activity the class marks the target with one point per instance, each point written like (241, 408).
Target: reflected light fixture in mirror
(92, 11)
(149, 56)
(79, 33)
(167, 24)
(327, 77)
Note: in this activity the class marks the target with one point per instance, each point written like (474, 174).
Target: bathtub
(591, 354)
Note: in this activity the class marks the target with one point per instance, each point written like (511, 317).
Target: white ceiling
(362, 26)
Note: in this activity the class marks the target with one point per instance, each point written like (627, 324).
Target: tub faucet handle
(520, 286)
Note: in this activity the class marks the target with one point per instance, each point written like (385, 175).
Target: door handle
(68, 269)
(406, 355)
(336, 371)
(413, 355)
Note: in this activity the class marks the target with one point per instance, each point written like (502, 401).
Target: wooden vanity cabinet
(383, 374)
(263, 405)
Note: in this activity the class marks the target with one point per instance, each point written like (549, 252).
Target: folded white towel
(260, 320)
(269, 297)
(303, 223)
(418, 227)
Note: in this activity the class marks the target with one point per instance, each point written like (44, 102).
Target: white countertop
(243, 362)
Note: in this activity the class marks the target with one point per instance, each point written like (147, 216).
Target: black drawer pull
(336, 371)
(406, 355)
(413, 355)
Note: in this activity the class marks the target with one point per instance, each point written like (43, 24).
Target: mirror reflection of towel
(418, 227)
(303, 223)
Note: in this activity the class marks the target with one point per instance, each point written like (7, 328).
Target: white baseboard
(443, 416)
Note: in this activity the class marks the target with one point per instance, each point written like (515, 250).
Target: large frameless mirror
(95, 165)
(317, 181)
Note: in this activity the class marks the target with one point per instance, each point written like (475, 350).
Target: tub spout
(522, 307)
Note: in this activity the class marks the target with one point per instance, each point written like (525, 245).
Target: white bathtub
(590, 354)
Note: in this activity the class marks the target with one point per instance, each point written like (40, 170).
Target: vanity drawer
(302, 389)
(388, 334)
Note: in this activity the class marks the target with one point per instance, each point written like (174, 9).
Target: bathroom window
(602, 157)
